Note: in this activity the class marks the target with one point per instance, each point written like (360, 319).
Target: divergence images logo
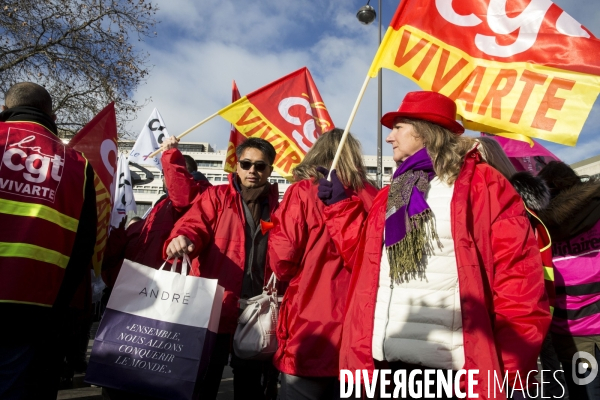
(584, 368)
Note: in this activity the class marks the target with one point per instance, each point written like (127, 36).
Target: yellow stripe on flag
(103, 209)
(250, 122)
(33, 252)
(515, 97)
(38, 211)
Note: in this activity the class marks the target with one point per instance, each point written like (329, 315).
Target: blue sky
(202, 46)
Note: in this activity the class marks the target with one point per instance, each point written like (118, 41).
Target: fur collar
(532, 189)
(570, 202)
(573, 211)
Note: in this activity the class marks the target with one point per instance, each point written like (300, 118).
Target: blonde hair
(350, 168)
(446, 149)
(494, 155)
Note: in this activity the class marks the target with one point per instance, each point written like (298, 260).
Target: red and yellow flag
(288, 112)
(235, 137)
(519, 67)
(97, 141)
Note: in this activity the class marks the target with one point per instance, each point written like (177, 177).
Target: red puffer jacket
(504, 307)
(215, 224)
(182, 191)
(309, 330)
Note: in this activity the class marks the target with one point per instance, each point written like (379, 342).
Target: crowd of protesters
(461, 263)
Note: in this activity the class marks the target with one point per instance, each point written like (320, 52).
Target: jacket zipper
(387, 320)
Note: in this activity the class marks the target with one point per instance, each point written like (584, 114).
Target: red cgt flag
(288, 112)
(522, 67)
(235, 137)
(97, 141)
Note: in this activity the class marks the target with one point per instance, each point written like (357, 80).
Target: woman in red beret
(446, 271)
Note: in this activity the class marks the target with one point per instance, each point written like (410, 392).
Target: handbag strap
(272, 283)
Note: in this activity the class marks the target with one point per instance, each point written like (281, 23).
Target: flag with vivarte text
(519, 67)
(289, 113)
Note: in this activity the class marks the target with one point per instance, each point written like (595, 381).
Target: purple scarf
(409, 226)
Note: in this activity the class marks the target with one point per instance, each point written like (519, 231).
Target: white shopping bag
(157, 332)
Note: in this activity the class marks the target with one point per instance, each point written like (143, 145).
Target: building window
(216, 178)
(387, 170)
(371, 170)
(192, 148)
(145, 190)
(126, 146)
(209, 163)
(141, 210)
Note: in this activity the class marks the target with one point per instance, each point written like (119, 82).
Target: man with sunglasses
(222, 234)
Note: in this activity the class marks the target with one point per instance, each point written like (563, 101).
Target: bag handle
(185, 262)
(271, 284)
(172, 265)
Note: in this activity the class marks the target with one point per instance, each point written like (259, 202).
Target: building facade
(589, 167)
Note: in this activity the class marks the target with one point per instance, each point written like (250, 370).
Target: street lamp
(365, 16)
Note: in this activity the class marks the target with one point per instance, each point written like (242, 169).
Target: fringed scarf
(254, 198)
(409, 224)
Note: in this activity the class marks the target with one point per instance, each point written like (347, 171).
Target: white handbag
(255, 337)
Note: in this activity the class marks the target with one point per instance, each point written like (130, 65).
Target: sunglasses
(259, 166)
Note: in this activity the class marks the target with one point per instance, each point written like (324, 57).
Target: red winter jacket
(504, 307)
(142, 242)
(309, 330)
(182, 190)
(215, 224)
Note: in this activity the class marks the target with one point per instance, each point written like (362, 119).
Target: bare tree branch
(82, 51)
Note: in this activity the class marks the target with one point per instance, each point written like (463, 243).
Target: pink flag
(523, 156)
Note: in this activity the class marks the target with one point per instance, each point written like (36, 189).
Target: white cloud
(204, 45)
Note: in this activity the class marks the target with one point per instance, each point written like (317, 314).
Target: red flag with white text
(97, 141)
(289, 113)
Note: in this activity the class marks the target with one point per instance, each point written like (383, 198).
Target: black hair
(257, 143)
(28, 94)
(190, 163)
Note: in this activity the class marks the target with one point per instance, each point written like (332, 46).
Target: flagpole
(379, 112)
(350, 120)
(205, 120)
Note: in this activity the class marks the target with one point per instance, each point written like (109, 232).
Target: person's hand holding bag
(179, 246)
